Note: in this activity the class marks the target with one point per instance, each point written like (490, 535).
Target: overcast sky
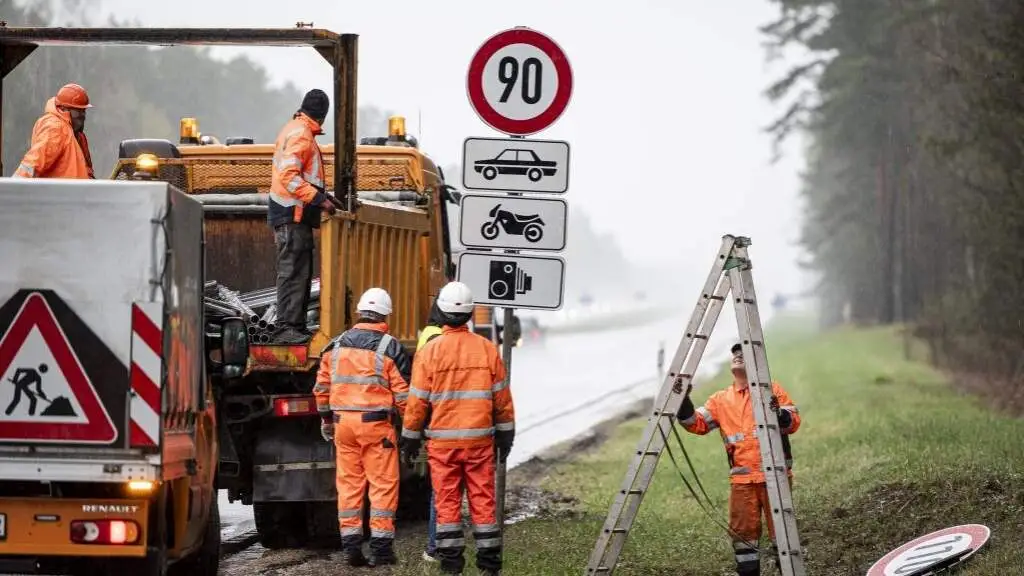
(665, 121)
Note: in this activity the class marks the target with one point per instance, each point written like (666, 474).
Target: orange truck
(122, 390)
(108, 439)
(272, 455)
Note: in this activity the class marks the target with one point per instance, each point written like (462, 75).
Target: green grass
(887, 451)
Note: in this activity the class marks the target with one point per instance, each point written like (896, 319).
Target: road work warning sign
(45, 394)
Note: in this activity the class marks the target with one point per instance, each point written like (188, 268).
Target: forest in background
(914, 178)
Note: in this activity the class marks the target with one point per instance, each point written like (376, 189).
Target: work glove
(785, 419)
(327, 431)
(410, 448)
(686, 409)
(503, 443)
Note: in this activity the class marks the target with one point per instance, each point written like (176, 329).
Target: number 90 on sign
(519, 81)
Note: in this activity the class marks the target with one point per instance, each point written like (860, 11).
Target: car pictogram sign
(45, 394)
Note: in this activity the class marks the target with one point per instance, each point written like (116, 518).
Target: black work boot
(290, 335)
(354, 557)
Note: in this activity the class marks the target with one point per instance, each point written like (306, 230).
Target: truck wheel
(322, 520)
(206, 560)
(280, 524)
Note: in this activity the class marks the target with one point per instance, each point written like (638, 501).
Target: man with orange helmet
(363, 383)
(730, 412)
(59, 148)
(459, 380)
(297, 197)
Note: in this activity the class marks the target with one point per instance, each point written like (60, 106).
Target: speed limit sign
(519, 81)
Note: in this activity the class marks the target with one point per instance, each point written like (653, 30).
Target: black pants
(294, 273)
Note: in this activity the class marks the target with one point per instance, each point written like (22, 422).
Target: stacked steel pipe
(257, 308)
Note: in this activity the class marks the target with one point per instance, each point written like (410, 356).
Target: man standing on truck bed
(730, 411)
(459, 379)
(296, 198)
(59, 147)
(362, 384)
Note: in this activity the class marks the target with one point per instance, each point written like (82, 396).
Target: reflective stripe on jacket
(730, 412)
(297, 184)
(460, 378)
(56, 150)
(363, 370)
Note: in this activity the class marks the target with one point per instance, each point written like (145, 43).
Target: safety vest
(428, 334)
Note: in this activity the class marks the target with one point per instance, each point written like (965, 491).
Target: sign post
(519, 83)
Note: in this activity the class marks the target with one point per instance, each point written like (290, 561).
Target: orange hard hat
(73, 96)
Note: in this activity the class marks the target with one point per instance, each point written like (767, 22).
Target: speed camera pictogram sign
(519, 81)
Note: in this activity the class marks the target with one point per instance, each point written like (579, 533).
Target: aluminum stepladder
(731, 272)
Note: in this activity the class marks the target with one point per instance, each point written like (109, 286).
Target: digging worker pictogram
(730, 411)
(24, 378)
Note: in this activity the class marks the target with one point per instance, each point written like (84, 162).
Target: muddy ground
(525, 498)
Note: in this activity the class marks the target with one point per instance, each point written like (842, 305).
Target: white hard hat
(455, 298)
(375, 300)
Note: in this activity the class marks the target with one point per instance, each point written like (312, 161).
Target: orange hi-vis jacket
(363, 370)
(297, 181)
(56, 150)
(730, 412)
(460, 377)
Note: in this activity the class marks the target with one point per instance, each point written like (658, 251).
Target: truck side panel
(184, 392)
(184, 282)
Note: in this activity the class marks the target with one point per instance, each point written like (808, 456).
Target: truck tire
(322, 522)
(206, 560)
(280, 524)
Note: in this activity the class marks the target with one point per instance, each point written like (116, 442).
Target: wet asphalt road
(561, 388)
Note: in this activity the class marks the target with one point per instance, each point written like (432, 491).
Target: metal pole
(499, 469)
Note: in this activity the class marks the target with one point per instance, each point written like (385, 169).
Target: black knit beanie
(315, 105)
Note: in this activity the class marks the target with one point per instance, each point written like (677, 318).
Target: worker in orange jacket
(59, 147)
(297, 196)
(362, 384)
(459, 378)
(730, 411)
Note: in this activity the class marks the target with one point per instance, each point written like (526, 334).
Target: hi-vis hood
(51, 108)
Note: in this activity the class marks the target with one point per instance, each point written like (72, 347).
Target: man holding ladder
(730, 412)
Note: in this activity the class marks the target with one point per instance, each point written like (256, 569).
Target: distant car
(516, 162)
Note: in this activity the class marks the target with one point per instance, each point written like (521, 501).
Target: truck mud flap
(292, 462)
(229, 465)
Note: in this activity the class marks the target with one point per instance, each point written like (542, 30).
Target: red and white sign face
(45, 394)
(930, 549)
(519, 81)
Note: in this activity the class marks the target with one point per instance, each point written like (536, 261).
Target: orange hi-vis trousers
(450, 470)
(747, 503)
(366, 452)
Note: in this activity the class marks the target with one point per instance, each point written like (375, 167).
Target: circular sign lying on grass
(932, 552)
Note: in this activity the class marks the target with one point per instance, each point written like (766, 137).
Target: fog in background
(666, 120)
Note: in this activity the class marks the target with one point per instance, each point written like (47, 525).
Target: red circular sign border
(475, 88)
(974, 530)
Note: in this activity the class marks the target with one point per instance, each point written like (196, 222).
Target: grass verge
(888, 451)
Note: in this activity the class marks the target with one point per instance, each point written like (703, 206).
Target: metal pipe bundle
(258, 308)
(232, 298)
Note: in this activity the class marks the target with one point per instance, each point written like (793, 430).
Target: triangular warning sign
(45, 394)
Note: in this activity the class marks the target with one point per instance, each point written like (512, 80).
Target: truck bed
(100, 329)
